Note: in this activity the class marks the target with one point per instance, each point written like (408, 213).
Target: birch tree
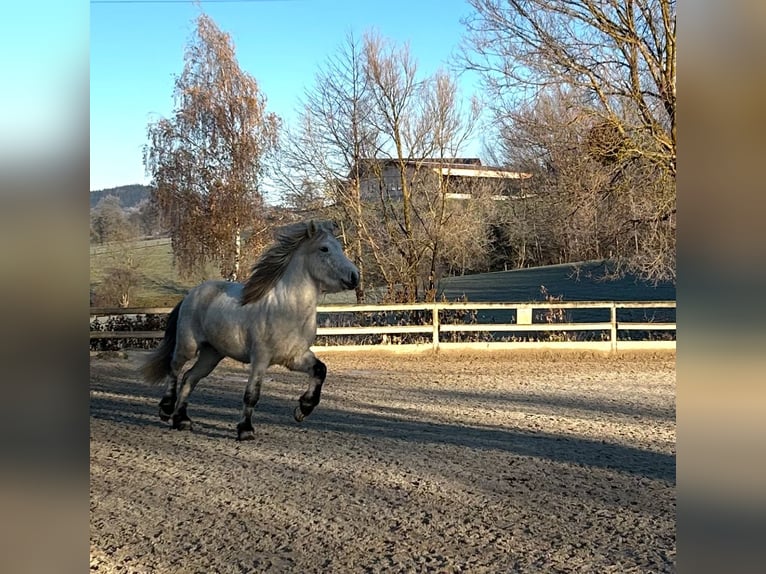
(208, 160)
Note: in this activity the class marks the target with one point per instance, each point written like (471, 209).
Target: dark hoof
(245, 432)
(182, 423)
(246, 435)
(298, 414)
(164, 416)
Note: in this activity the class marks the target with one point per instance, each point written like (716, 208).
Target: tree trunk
(237, 255)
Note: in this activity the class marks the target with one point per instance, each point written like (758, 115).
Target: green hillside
(159, 284)
(580, 282)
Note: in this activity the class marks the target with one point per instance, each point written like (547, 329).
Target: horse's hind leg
(317, 371)
(207, 361)
(168, 400)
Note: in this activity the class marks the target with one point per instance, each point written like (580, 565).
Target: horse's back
(211, 314)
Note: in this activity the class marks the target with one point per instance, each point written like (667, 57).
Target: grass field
(160, 284)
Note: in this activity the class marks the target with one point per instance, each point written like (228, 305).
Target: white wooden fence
(527, 324)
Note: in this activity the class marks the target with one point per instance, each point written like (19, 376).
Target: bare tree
(121, 262)
(447, 126)
(616, 63)
(395, 89)
(145, 216)
(322, 158)
(423, 127)
(207, 161)
(621, 53)
(588, 205)
(109, 222)
(369, 108)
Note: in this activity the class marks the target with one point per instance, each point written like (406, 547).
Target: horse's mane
(273, 262)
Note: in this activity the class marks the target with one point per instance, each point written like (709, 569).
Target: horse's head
(324, 258)
(310, 248)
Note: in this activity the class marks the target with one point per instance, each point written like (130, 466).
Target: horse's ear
(312, 228)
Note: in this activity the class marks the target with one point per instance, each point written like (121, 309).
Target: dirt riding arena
(456, 462)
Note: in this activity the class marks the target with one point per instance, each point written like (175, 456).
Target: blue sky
(137, 48)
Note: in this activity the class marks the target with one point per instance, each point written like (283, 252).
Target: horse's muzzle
(352, 281)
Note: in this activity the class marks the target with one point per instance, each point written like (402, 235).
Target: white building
(460, 177)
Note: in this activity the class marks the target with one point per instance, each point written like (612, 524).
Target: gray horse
(268, 320)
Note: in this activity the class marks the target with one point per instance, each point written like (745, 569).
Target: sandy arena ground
(457, 462)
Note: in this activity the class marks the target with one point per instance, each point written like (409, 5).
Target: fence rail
(523, 322)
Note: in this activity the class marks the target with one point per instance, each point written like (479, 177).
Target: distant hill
(129, 195)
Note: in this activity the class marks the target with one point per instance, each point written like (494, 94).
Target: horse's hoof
(299, 416)
(245, 431)
(164, 417)
(183, 424)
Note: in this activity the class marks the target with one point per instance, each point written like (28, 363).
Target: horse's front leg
(317, 372)
(245, 430)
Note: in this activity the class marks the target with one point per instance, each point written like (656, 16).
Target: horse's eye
(324, 249)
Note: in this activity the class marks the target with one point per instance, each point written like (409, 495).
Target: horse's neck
(296, 289)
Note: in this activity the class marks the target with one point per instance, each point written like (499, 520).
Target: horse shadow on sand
(215, 411)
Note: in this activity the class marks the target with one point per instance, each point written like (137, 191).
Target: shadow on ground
(215, 411)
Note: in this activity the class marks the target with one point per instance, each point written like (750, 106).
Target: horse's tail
(157, 367)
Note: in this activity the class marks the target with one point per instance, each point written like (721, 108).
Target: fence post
(435, 342)
(613, 330)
